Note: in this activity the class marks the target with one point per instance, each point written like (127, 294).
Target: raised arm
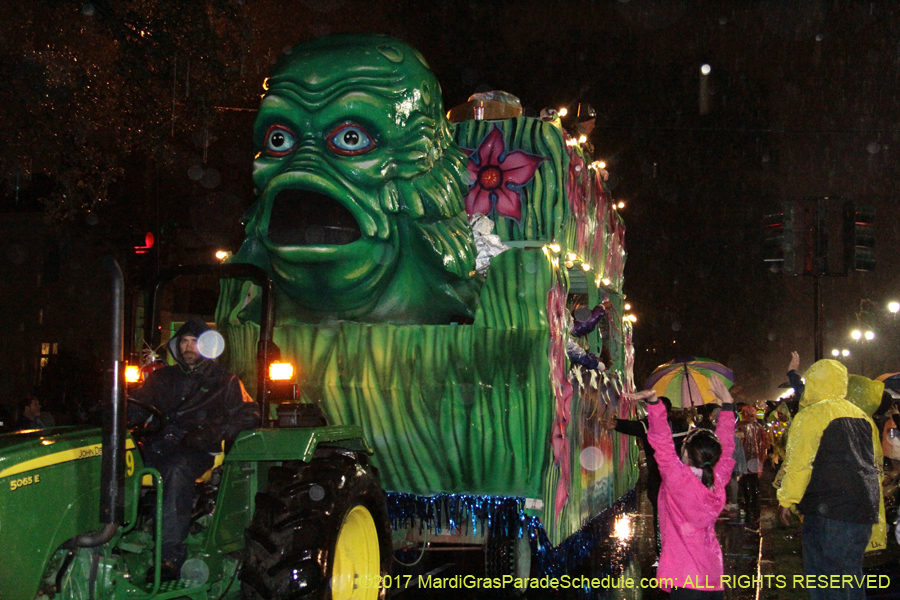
(659, 433)
(724, 427)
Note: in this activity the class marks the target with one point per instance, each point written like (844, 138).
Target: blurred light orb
(676, 326)
(705, 69)
(592, 458)
(894, 307)
(582, 314)
(856, 334)
(870, 335)
(835, 352)
(88, 9)
(873, 147)
(195, 172)
(845, 353)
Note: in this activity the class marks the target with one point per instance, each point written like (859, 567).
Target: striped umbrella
(685, 381)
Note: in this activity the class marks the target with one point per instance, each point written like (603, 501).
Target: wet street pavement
(762, 565)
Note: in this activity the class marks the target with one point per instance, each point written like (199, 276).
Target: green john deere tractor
(294, 510)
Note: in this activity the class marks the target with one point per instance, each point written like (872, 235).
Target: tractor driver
(202, 404)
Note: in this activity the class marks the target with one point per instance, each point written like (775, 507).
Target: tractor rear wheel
(320, 531)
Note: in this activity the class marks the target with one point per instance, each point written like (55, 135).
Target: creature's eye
(279, 141)
(350, 139)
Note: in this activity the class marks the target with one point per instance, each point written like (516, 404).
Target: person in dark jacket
(203, 405)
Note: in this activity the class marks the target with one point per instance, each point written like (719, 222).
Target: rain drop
(582, 314)
(723, 20)
(87, 9)
(195, 172)
(211, 178)
(316, 493)
(676, 326)
(773, 336)
(819, 37)
(387, 255)
(591, 458)
(315, 236)
(873, 147)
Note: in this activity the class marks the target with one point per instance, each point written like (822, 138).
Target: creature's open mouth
(305, 218)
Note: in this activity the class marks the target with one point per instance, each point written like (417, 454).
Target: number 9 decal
(129, 463)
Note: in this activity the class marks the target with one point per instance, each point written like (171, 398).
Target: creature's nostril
(305, 218)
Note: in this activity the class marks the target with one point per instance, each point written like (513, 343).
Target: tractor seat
(218, 459)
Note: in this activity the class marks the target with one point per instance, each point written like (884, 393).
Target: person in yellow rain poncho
(831, 475)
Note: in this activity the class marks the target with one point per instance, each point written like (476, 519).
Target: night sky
(803, 101)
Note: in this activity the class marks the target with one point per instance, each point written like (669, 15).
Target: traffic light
(810, 236)
(775, 246)
(863, 238)
(142, 242)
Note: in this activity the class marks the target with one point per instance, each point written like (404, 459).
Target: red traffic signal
(143, 242)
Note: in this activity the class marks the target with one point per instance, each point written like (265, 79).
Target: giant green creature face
(354, 160)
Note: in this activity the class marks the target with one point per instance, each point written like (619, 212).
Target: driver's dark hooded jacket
(209, 395)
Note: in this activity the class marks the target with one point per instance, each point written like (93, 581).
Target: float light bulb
(894, 307)
(835, 352)
(870, 335)
(563, 112)
(845, 353)
(856, 334)
(705, 69)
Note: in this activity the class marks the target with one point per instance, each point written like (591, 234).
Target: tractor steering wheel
(151, 425)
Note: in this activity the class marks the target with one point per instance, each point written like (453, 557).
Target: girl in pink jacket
(690, 499)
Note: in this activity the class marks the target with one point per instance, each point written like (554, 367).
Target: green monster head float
(360, 213)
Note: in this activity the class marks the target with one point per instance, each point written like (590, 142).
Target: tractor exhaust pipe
(112, 466)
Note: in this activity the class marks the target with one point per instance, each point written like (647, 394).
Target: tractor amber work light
(281, 371)
(132, 374)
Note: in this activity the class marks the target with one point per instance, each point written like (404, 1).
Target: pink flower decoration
(498, 176)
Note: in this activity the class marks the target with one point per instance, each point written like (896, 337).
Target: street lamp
(862, 337)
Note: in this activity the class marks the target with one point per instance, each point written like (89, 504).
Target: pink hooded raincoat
(691, 555)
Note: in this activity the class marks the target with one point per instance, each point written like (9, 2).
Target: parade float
(453, 288)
